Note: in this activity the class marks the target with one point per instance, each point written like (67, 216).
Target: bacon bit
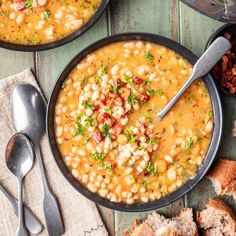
(20, 5)
(118, 101)
(97, 107)
(144, 98)
(120, 83)
(106, 118)
(117, 130)
(97, 136)
(104, 101)
(138, 80)
(225, 70)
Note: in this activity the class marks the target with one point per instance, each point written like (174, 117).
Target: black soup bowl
(60, 42)
(211, 153)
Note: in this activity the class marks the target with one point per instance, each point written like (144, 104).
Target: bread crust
(140, 229)
(221, 206)
(223, 177)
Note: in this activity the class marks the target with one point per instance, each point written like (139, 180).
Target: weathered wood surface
(169, 18)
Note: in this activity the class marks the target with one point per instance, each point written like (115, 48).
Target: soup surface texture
(33, 22)
(106, 128)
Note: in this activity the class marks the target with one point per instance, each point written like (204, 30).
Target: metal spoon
(29, 117)
(31, 221)
(204, 64)
(19, 159)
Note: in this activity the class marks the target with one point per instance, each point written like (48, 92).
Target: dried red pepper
(225, 71)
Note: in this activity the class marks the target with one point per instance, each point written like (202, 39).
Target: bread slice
(158, 225)
(223, 177)
(217, 219)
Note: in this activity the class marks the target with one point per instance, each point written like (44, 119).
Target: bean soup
(33, 22)
(106, 125)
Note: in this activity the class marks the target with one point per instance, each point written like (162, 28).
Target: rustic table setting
(170, 18)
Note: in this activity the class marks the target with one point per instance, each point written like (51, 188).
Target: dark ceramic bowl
(220, 32)
(60, 42)
(216, 104)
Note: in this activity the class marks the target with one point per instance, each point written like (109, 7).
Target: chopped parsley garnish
(46, 15)
(189, 144)
(159, 92)
(127, 79)
(148, 117)
(84, 81)
(199, 140)
(108, 167)
(63, 85)
(109, 110)
(147, 82)
(130, 136)
(98, 156)
(144, 183)
(149, 56)
(152, 141)
(97, 78)
(151, 169)
(104, 130)
(132, 100)
(151, 92)
(116, 88)
(90, 121)
(104, 70)
(1, 13)
(88, 104)
(28, 4)
(79, 128)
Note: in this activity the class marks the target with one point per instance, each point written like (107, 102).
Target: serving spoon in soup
(204, 64)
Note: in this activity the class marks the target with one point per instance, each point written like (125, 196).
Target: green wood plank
(49, 66)
(14, 62)
(155, 16)
(195, 29)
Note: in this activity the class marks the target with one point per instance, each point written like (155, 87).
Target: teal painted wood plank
(14, 62)
(195, 29)
(154, 16)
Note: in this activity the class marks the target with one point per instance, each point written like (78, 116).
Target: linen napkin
(81, 217)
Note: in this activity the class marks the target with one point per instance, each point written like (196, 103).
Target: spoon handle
(21, 230)
(204, 64)
(31, 221)
(51, 207)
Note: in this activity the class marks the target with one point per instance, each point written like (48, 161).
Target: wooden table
(170, 18)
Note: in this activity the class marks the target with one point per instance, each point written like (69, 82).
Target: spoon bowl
(19, 160)
(27, 101)
(19, 155)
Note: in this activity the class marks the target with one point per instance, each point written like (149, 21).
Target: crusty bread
(158, 225)
(223, 177)
(217, 219)
(140, 229)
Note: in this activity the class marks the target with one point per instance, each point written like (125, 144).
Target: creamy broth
(106, 128)
(33, 22)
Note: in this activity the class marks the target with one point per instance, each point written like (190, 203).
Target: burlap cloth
(80, 215)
